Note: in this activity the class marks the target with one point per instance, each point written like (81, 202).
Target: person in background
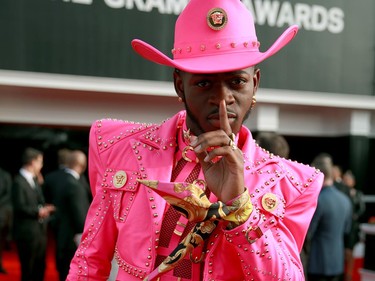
(338, 181)
(330, 223)
(359, 208)
(30, 216)
(62, 157)
(195, 198)
(51, 190)
(274, 143)
(5, 212)
(50, 180)
(72, 203)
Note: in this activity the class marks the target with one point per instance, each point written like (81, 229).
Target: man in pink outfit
(195, 198)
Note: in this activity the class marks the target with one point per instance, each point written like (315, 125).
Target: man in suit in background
(71, 199)
(30, 217)
(331, 221)
(49, 186)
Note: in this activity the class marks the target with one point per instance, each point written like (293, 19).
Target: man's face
(202, 94)
(38, 164)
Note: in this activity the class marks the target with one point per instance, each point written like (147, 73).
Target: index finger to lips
(224, 121)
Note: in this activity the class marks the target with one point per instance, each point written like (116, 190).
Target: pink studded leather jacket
(125, 217)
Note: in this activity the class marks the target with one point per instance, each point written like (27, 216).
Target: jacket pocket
(122, 187)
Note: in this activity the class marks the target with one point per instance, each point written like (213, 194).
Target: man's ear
(256, 79)
(178, 84)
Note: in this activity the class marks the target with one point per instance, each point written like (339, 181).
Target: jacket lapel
(156, 150)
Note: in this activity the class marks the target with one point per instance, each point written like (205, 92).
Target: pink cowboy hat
(214, 36)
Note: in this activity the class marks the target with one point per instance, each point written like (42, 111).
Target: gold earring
(253, 102)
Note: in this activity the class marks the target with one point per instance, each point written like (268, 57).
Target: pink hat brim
(215, 63)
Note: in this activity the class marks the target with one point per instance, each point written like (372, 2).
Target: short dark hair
(323, 162)
(30, 154)
(273, 143)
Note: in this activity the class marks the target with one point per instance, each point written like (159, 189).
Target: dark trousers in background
(63, 259)
(32, 255)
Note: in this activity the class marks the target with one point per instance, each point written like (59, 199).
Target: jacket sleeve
(269, 243)
(93, 257)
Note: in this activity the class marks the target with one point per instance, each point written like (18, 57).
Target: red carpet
(12, 266)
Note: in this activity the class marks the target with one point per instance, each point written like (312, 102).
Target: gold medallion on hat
(217, 18)
(120, 179)
(269, 202)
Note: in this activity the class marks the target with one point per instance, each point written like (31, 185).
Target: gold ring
(232, 144)
(232, 137)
